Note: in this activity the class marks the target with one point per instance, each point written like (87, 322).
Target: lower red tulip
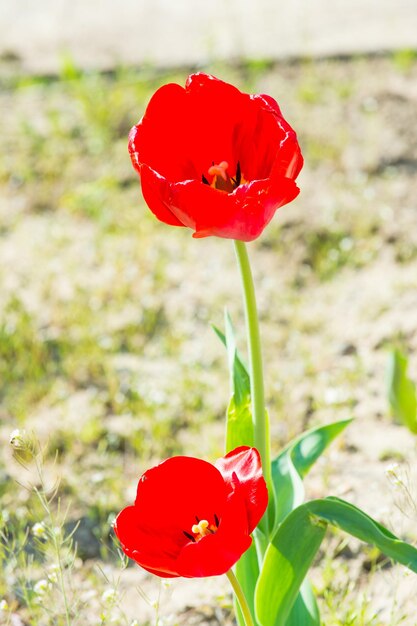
(192, 518)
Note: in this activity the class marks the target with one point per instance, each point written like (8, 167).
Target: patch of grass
(26, 359)
(346, 601)
(404, 59)
(327, 252)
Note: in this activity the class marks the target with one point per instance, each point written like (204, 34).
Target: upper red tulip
(192, 518)
(215, 159)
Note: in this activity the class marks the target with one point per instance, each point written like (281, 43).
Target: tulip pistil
(221, 179)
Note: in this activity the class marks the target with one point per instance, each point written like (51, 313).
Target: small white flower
(134, 623)
(53, 572)
(4, 606)
(53, 577)
(392, 469)
(17, 438)
(109, 596)
(39, 530)
(41, 587)
(393, 474)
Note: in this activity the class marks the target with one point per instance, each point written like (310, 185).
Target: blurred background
(100, 34)
(108, 361)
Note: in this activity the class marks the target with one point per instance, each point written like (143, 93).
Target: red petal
(241, 215)
(216, 111)
(160, 138)
(156, 192)
(156, 554)
(169, 497)
(245, 463)
(175, 491)
(287, 160)
(216, 554)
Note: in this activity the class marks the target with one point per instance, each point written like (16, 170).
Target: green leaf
(239, 376)
(296, 542)
(239, 426)
(239, 432)
(288, 486)
(402, 393)
(295, 461)
(287, 560)
(304, 611)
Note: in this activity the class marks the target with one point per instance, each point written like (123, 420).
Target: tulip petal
(216, 554)
(241, 215)
(172, 494)
(288, 160)
(160, 138)
(245, 464)
(156, 189)
(155, 553)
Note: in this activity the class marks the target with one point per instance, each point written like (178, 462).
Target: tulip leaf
(402, 393)
(296, 542)
(239, 376)
(287, 560)
(295, 461)
(304, 610)
(239, 426)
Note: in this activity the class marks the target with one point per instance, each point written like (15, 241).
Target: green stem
(244, 607)
(259, 417)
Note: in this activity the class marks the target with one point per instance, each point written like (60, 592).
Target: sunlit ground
(108, 358)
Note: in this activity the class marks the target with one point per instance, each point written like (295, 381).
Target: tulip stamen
(238, 178)
(189, 536)
(216, 520)
(202, 529)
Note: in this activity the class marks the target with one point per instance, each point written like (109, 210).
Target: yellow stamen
(201, 528)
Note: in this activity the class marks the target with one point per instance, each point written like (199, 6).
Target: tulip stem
(244, 607)
(259, 415)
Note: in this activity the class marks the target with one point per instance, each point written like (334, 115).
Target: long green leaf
(402, 393)
(288, 485)
(239, 426)
(288, 470)
(287, 560)
(295, 461)
(239, 376)
(304, 611)
(296, 542)
(239, 432)
(239, 373)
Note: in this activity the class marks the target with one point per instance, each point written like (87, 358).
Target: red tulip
(192, 518)
(215, 159)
